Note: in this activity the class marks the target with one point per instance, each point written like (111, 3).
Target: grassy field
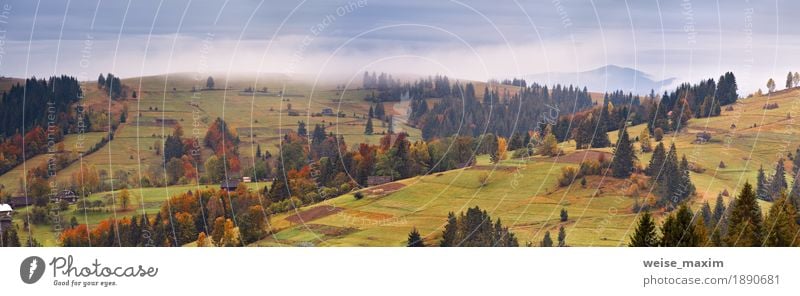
(524, 194)
(256, 119)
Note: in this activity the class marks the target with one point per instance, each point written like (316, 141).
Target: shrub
(568, 175)
(658, 133)
(483, 179)
(696, 167)
(358, 195)
(722, 164)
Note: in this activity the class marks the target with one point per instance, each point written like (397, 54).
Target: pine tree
(708, 216)
(622, 164)
(101, 81)
(258, 151)
(781, 224)
(762, 186)
(657, 161)
(778, 183)
(719, 210)
(546, 241)
(686, 186)
(450, 231)
(368, 130)
(679, 230)
(564, 215)
(414, 239)
(562, 237)
(745, 224)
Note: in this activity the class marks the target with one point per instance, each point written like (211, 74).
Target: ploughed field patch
(313, 214)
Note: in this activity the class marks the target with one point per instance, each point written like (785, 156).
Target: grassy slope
(131, 150)
(532, 206)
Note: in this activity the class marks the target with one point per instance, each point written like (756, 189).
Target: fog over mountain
(606, 79)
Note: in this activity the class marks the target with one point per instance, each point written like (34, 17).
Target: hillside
(524, 194)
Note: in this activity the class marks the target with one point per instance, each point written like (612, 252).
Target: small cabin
(702, 138)
(19, 201)
(327, 112)
(5, 212)
(246, 179)
(65, 195)
(229, 185)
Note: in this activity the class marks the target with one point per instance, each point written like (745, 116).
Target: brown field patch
(584, 155)
(313, 214)
(389, 187)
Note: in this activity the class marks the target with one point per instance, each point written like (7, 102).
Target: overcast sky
(478, 40)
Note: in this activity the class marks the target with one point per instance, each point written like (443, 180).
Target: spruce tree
(719, 210)
(778, 183)
(562, 237)
(686, 186)
(414, 239)
(762, 185)
(368, 130)
(564, 215)
(450, 231)
(781, 225)
(645, 234)
(622, 164)
(679, 230)
(546, 241)
(708, 216)
(657, 161)
(745, 224)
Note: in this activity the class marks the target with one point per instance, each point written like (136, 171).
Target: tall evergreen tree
(657, 161)
(781, 224)
(778, 183)
(414, 239)
(645, 234)
(719, 210)
(450, 231)
(708, 216)
(624, 156)
(368, 130)
(762, 185)
(679, 230)
(546, 240)
(745, 224)
(562, 237)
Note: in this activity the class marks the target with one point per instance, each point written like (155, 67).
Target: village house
(5, 216)
(229, 185)
(65, 195)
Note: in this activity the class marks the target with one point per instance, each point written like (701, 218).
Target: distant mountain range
(606, 79)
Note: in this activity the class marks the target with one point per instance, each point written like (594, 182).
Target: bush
(722, 164)
(658, 133)
(589, 168)
(39, 215)
(345, 188)
(483, 179)
(358, 195)
(568, 175)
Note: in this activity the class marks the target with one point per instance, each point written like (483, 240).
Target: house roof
(5, 208)
(232, 183)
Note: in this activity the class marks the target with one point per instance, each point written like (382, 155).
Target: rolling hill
(525, 196)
